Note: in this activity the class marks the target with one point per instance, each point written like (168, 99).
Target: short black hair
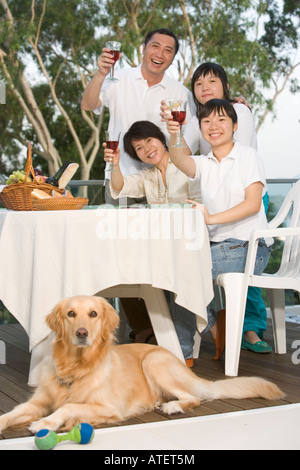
(166, 31)
(203, 70)
(219, 107)
(142, 130)
(217, 70)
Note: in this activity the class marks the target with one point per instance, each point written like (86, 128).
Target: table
(47, 256)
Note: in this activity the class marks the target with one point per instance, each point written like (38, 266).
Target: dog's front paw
(171, 407)
(3, 424)
(42, 424)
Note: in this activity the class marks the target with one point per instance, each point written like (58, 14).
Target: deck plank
(277, 368)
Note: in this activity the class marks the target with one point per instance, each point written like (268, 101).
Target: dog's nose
(82, 333)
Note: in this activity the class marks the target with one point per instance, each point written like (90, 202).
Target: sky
(279, 139)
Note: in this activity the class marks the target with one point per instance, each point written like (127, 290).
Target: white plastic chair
(235, 285)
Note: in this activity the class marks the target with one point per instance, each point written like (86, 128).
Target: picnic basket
(18, 196)
(59, 203)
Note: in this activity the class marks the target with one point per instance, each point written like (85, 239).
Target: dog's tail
(240, 388)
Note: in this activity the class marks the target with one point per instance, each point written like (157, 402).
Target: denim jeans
(185, 325)
(227, 256)
(230, 256)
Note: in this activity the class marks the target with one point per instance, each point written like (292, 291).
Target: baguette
(39, 194)
(67, 175)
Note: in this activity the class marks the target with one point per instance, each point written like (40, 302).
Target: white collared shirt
(223, 186)
(245, 133)
(131, 99)
(148, 183)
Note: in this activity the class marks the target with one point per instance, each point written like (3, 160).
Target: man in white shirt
(137, 96)
(139, 92)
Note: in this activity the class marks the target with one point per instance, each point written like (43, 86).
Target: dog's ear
(55, 322)
(111, 319)
(112, 315)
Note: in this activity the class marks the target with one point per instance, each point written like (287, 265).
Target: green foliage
(5, 315)
(292, 7)
(252, 40)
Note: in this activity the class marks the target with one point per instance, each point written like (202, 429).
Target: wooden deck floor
(278, 368)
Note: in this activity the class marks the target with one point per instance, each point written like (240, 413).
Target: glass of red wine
(178, 111)
(112, 142)
(114, 47)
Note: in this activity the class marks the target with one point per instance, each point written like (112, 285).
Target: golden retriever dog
(93, 380)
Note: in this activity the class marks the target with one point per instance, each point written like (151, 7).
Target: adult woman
(162, 181)
(232, 180)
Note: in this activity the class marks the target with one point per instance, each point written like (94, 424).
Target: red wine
(179, 116)
(115, 54)
(112, 144)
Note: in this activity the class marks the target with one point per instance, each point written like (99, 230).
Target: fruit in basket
(17, 177)
(41, 178)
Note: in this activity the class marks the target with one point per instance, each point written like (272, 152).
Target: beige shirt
(149, 183)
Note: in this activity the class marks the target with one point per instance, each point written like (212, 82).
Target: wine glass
(114, 47)
(178, 111)
(112, 142)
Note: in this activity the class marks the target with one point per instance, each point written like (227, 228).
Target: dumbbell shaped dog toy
(82, 434)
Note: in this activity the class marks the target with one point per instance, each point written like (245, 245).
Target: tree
(254, 42)
(55, 36)
(281, 39)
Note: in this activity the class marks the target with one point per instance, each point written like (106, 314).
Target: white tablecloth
(47, 256)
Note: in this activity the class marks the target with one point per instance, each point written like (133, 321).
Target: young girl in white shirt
(209, 82)
(231, 181)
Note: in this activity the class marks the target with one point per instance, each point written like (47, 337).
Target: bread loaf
(39, 194)
(67, 175)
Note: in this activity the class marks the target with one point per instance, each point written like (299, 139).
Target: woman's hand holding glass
(166, 116)
(112, 157)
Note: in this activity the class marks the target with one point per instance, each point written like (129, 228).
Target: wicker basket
(17, 197)
(59, 203)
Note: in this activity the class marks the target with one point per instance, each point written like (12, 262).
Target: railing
(278, 188)
(95, 191)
